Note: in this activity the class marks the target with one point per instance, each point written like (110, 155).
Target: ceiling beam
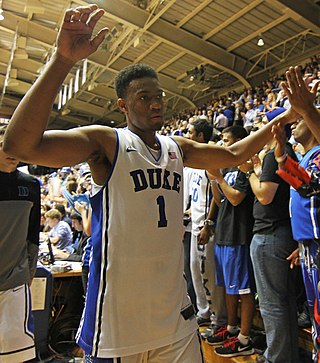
(48, 37)
(193, 13)
(232, 19)
(170, 61)
(268, 50)
(26, 64)
(308, 14)
(255, 34)
(148, 51)
(29, 29)
(179, 38)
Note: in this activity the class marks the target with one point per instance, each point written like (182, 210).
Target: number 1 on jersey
(162, 222)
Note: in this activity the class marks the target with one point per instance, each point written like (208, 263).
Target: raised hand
(80, 207)
(75, 40)
(257, 164)
(296, 88)
(280, 136)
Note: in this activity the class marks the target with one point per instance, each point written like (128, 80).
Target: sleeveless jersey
(305, 212)
(136, 289)
(201, 195)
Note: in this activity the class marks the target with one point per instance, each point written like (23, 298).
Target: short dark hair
(237, 131)
(130, 73)
(76, 216)
(61, 208)
(201, 125)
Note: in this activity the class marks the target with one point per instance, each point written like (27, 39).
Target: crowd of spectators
(242, 108)
(65, 221)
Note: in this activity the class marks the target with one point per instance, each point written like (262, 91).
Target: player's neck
(148, 137)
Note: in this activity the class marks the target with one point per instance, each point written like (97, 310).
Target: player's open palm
(75, 40)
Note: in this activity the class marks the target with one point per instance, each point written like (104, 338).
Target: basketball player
(137, 309)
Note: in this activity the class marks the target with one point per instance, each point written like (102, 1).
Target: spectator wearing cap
(84, 169)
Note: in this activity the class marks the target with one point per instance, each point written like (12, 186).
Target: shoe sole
(246, 352)
(216, 343)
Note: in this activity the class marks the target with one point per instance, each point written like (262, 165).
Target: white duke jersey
(201, 195)
(136, 294)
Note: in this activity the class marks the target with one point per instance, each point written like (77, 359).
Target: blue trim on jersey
(29, 322)
(159, 142)
(305, 212)
(104, 281)
(160, 154)
(87, 253)
(85, 337)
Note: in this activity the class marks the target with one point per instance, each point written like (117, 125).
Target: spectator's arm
(86, 213)
(207, 230)
(234, 196)
(264, 191)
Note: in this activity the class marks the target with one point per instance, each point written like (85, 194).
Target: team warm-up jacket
(19, 228)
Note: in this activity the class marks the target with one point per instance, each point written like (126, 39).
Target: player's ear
(122, 105)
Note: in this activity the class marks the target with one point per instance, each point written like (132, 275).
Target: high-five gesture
(75, 40)
(296, 88)
(302, 99)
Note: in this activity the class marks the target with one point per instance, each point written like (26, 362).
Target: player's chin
(157, 123)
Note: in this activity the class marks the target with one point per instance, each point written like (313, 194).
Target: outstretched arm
(302, 100)
(208, 156)
(25, 136)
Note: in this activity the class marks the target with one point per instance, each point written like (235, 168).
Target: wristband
(248, 173)
(281, 158)
(209, 222)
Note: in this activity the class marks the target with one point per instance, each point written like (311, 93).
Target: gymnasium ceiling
(173, 36)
